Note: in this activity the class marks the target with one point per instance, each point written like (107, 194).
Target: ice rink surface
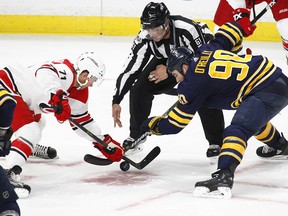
(69, 186)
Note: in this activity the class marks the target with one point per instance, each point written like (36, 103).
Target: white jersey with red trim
(36, 84)
(21, 82)
(56, 75)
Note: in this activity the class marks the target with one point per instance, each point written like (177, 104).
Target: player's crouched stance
(250, 84)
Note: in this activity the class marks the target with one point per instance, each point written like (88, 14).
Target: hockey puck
(124, 166)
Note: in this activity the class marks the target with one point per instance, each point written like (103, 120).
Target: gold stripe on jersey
(267, 134)
(179, 118)
(230, 145)
(235, 139)
(231, 154)
(234, 147)
(231, 32)
(4, 96)
(263, 72)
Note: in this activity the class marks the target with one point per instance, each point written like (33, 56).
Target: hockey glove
(113, 151)
(5, 142)
(59, 102)
(242, 17)
(151, 124)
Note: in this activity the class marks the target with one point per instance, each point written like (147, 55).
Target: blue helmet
(178, 57)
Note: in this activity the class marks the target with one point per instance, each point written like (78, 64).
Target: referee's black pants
(141, 97)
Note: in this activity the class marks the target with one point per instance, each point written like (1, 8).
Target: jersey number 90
(225, 63)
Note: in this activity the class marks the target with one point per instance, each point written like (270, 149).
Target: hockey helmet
(88, 61)
(178, 57)
(154, 14)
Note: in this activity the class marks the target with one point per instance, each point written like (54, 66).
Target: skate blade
(40, 158)
(134, 151)
(22, 192)
(221, 193)
(276, 157)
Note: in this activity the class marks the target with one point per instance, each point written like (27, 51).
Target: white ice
(69, 186)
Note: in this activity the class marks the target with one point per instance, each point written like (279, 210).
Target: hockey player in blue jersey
(214, 77)
(8, 197)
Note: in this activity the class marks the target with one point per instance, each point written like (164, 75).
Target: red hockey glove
(59, 102)
(5, 142)
(242, 17)
(151, 125)
(113, 151)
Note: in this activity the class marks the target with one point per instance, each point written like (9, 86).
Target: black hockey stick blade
(91, 159)
(96, 160)
(147, 160)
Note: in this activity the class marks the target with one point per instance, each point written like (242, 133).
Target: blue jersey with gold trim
(221, 79)
(217, 78)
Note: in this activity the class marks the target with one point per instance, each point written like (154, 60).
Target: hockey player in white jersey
(60, 87)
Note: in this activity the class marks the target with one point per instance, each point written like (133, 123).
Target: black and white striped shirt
(183, 32)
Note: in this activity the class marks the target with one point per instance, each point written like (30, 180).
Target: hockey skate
(132, 146)
(278, 152)
(213, 152)
(21, 189)
(218, 187)
(44, 152)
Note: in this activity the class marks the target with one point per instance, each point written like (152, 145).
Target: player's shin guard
(268, 135)
(21, 149)
(232, 152)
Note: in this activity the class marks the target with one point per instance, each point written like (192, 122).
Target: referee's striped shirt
(183, 32)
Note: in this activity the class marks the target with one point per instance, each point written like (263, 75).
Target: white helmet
(88, 61)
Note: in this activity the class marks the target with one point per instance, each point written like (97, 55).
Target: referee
(145, 75)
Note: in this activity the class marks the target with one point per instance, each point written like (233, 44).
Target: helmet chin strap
(80, 84)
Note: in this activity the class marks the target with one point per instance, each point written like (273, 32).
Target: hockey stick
(273, 2)
(143, 163)
(144, 135)
(101, 161)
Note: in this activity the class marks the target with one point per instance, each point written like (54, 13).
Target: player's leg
(253, 114)
(141, 98)
(223, 14)
(213, 125)
(276, 145)
(42, 151)
(280, 14)
(27, 133)
(283, 30)
(245, 123)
